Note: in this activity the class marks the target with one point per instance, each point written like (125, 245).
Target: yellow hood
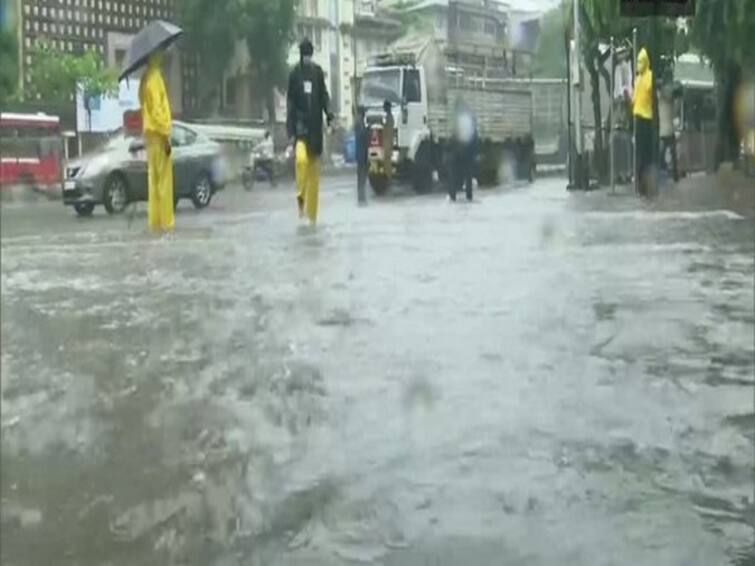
(643, 61)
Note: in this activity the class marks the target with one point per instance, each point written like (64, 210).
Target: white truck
(415, 76)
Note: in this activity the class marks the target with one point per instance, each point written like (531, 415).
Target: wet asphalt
(535, 378)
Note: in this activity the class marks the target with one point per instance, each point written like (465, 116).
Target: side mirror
(136, 146)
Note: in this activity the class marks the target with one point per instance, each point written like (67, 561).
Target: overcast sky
(534, 5)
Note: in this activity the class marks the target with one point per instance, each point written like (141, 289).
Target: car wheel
(201, 192)
(115, 195)
(84, 209)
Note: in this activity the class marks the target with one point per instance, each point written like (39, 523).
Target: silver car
(117, 174)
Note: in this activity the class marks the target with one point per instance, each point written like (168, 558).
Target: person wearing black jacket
(362, 139)
(307, 102)
(465, 147)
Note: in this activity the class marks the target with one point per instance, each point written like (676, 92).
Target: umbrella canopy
(157, 35)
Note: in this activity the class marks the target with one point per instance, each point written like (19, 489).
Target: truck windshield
(379, 86)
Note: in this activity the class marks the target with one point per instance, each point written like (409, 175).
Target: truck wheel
(379, 184)
(422, 170)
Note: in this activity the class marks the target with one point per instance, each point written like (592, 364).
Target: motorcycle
(378, 174)
(259, 169)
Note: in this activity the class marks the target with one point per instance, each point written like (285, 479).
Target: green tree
(723, 31)
(8, 66)
(268, 30)
(55, 75)
(549, 60)
(411, 21)
(211, 28)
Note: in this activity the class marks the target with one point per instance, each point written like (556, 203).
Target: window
(412, 86)
(120, 56)
(181, 136)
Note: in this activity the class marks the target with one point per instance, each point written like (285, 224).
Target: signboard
(132, 122)
(104, 114)
(669, 8)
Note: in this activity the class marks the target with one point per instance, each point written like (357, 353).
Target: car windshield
(379, 86)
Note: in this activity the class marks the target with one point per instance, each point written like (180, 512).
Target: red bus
(30, 152)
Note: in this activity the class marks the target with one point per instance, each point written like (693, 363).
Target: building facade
(102, 26)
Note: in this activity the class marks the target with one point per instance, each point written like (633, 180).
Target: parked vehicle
(31, 148)
(117, 174)
(423, 89)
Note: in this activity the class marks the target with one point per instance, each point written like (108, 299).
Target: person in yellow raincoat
(307, 101)
(642, 108)
(157, 124)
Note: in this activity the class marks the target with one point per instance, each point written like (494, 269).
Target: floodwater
(536, 378)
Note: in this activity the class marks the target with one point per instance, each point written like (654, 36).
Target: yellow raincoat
(642, 100)
(157, 120)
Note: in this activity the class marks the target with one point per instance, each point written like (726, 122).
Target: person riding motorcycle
(262, 160)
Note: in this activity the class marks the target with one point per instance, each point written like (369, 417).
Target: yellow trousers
(160, 208)
(307, 181)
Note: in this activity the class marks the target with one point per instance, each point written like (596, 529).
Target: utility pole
(610, 117)
(579, 177)
(634, 118)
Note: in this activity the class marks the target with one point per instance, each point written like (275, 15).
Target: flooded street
(536, 378)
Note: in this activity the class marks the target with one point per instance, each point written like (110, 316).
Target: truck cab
(404, 86)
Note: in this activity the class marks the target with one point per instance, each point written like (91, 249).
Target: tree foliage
(214, 27)
(211, 30)
(411, 21)
(724, 31)
(54, 75)
(8, 66)
(268, 31)
(549, 59)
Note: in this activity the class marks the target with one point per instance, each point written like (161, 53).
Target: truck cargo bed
(502, 113)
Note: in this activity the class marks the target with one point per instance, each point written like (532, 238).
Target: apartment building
(103, 26)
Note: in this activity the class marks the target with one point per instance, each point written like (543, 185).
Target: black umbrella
(157, 35)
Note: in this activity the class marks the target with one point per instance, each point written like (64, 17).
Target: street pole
(634, 118)
(579, 166)
(569, 156)
(610, 119)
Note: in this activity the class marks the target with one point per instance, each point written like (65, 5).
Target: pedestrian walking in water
(157, 125)
(362, 139)
(642, 108)
(307, 102)
(464, 152)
